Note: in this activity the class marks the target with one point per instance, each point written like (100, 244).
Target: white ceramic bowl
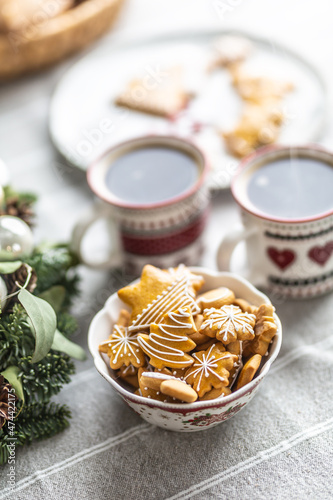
(184, 417)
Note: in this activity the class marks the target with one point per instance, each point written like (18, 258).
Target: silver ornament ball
(3, 294)
(16, 239)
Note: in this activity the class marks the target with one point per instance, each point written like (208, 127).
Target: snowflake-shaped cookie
(210, 369)
(123, 349)
(228, 324)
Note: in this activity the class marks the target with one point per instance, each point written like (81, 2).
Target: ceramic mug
(163, 232)
(286, 200)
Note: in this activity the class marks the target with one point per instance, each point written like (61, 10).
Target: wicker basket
(47, 43)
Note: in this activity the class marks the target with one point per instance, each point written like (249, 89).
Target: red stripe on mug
(168, 242)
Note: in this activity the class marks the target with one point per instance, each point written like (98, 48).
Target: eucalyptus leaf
(11, 374)
(43, 320)
(55, 296)
(62, 344)
(10, 267)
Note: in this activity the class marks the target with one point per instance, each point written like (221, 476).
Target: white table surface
(306, 27)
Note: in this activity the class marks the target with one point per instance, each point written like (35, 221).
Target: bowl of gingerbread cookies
(186, 348)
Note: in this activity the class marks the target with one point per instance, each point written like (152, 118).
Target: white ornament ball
(16, 239)
(3, 293)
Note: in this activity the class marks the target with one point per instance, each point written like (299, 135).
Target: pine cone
(20, 276)
(5, 387)
(18, 208)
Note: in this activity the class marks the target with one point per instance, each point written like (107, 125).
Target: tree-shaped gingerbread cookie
(168, 342)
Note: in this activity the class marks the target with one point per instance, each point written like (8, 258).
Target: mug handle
(94, 213)
(227, 247)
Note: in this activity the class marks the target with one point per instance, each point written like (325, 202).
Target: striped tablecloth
(281, 445)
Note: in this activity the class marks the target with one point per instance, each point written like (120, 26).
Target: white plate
(84, 121)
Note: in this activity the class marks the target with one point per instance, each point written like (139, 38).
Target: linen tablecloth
(279, 446)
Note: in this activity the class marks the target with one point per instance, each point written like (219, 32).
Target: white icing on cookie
(228, 320)
(206, 365)
(123, 342)
(129, 370)
(159, 342)
(178, 295)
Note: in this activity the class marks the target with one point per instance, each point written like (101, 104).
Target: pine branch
(39, 418)
(45, 379)
(67, 324)
(37, 422)
(16, 338)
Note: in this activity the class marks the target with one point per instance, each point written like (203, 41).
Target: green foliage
(16, 338)
(45, 379)
(54, 266)
(38, 417)
(62, 344)
(36, 422)
(23, 198)
(12, 375)
(67, 324)
(10, 267)
(43, 320)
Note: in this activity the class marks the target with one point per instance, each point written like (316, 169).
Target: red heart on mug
(320, 255)
(282, 258)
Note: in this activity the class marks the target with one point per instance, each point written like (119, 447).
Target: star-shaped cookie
(152, 283)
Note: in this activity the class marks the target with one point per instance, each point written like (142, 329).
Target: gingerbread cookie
(178, 389)
(168, 342)
(228, 324)
(248, 371)
(216, 298)
(197, 337)
(245, 306)
(153, 380)
(258, 88)
(168, 385)
(235, 347)
(210, 369)
(153, 282)
(129, 374)
(262, 115)
(123, 318)
(216, 393)
(122, 348)
(258, 125)
(230, 50)
(157, 293)
(165, 98)
(149, 393)
(206, 345)
(175, 372)
(265, 330)
(195, 280)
